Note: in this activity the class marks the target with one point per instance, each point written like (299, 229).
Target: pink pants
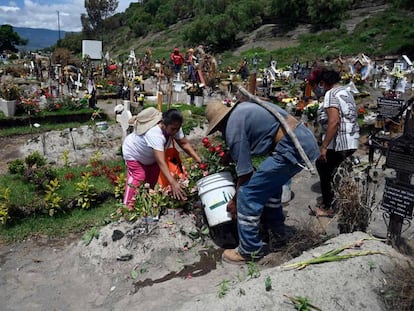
(137, 173)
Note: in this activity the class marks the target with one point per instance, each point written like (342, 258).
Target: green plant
(16, 167)
(65, 158)
(39, 176)
(334, 255)
(253, 270)
(90, 235)
(268, 283)
(120, 187)
(4, 205)
(87, 192)
(52, 199)
(95, 159)
(302, 303)
(223, 288)
(35, 159)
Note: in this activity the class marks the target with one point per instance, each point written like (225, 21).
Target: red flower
(218, 149)
(222, 154)
(203, 166)
(206, 142)
(212, 149)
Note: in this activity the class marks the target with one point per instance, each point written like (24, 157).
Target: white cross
(78, 83)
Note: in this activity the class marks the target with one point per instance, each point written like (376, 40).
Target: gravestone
(390, 108)
(398, 198)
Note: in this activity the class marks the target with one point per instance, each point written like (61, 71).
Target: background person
(249, 129)
(340, 130)
(178, 60)
(143, 150)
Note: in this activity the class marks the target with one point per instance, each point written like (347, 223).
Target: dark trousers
(326, 170)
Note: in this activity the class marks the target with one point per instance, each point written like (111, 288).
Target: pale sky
(44, 13)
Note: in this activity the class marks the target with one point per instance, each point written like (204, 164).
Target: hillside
(38, 38)
(372, 28)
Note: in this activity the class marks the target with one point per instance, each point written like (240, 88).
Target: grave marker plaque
(389, 107)
(398, 198)
(400, 154)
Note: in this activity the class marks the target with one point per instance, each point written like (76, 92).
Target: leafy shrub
(40, 176)
(87, 192)
(35, 159)
(4, 205)
(17, 167)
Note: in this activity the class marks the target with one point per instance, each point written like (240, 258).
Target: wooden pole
(252, 83)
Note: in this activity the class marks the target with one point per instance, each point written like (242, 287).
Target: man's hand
(232, 209)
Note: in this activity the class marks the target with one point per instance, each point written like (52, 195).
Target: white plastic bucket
(215, 191)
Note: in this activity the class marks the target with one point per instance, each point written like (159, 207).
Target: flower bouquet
(214, 159)
(311, 111)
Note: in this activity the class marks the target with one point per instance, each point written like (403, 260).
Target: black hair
(330, 76)
(327, 75)
(172, 116)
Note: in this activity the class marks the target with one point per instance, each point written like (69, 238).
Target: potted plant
(9, 93)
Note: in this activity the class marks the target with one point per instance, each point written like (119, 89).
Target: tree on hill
(97, 11)
(9, 39)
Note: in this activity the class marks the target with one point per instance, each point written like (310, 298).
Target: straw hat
(215, 113)
(147, 119)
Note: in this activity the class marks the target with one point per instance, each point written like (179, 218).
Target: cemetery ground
(173, 265)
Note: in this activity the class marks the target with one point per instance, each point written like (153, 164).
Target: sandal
(320, 212)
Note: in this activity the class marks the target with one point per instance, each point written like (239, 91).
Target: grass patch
(77, 221)
(24, 130)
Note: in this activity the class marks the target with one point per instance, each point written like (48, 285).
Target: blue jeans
(266, 183)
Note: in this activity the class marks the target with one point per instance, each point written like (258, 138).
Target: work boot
(233, 256)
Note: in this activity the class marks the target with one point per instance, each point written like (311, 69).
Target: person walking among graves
(144, 150)
(178, 60)
(243, 70)
(191, 66)
(250, 129)
(92, 93)
(340, 130)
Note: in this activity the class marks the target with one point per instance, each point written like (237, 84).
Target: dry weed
(398, 292)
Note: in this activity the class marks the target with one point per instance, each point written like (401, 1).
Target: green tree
(289, 12)
(9, 39)
(325, 14)
(96, 12)
(403, 4)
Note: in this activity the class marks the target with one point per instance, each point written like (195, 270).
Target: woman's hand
(323, 151)
(177, 191)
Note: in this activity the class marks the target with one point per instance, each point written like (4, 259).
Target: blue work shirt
(250, 131)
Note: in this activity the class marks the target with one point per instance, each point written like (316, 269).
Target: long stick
(284, 124)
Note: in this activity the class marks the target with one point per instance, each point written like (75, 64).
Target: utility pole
(58, 24)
